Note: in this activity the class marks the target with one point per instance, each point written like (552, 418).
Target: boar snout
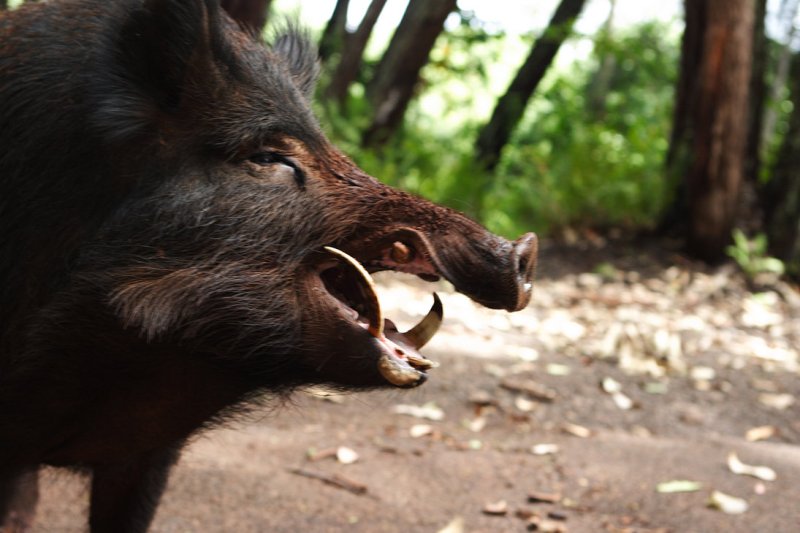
(524, 261)
(493, 271)
(499, 275)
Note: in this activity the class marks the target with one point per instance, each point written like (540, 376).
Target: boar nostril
(522, 265)
(525, 249)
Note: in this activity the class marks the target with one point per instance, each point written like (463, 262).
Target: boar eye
(265, 159)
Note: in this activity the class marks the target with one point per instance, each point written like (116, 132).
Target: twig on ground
(334, 480)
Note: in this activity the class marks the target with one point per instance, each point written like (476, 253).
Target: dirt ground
(633, 368)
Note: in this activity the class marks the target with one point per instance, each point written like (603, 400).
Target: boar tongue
(400, 363)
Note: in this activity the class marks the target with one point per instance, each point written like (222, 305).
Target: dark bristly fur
(165, 195)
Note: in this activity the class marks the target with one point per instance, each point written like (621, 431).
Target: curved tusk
(375, 314)
(419, 335)
(397, 373)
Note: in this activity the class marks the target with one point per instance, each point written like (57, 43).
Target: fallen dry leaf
(702, 373)
(776, 401)
(763, 473)
(346, 456)
(622, 401)
(726, 503)
(760, 433)
(544, 449)
(544, 497)
(456, 525)
(481, 398)
(523, 353)
(523, 404)
(678, 485)
(524, 514)
(555, 369)
(420, 430)
(610, 385)
(474, 444)
(476, 425)
(556, 515)
(429, 411)
(656, 387)
(499, 508)
(576, 431)
(537, 523)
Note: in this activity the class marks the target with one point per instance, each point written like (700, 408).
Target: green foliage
(781, 104)
(751, 255)
(565, 166)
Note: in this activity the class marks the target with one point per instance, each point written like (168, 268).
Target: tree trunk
(675, 220)
(510, 107)
(758, 92)
(601, 82)
(352, 54)
(252, 14)
(392, 87)
(709, 140)
(749, 216)
(335, 32)
(782, 193)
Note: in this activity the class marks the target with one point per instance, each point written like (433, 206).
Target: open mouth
(350, 283)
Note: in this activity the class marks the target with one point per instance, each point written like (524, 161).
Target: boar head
(244, 236)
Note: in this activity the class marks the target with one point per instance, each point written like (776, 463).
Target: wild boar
(178, 238)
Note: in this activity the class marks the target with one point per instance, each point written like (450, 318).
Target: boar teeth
(399, 365)
(373, 312)
(420, 362)
(419, 335)
(398, 372)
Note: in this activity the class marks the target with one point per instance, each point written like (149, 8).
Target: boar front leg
(125, 495)
(19, 492)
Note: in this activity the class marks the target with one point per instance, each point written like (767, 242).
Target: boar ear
(250, 14)
(159, 51)
(180, 33)
(299, 54)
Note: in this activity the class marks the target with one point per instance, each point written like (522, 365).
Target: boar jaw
(399, 363)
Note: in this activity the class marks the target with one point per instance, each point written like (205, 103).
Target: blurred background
(576, 118)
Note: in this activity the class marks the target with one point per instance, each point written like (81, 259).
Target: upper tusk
(375, 318)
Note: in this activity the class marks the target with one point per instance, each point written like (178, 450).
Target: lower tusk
(397, 373)
(419, 335)
(420, 362)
